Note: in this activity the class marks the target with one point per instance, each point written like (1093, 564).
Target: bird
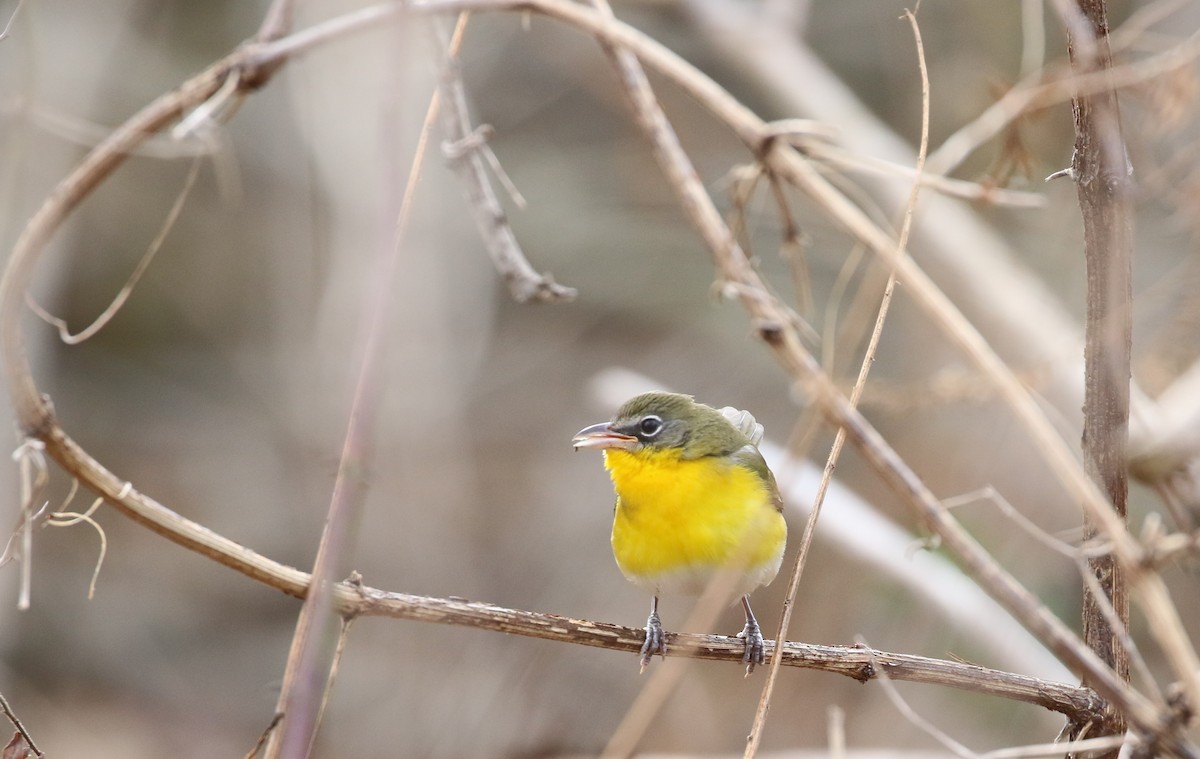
(694, 497)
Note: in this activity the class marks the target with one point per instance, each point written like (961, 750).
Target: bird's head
(664, 421)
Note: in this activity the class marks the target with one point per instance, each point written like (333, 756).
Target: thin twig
(1033, 37)
(335, 665)
(265, 736)
(949, 186)
(88, 134)
(277, 22)
(760, 715)
(1074, 747)
(16, 723)
(911, 714)
(8, 28)
(31, 464)
(64, 330)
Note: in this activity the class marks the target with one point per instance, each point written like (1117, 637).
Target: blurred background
(222, 387)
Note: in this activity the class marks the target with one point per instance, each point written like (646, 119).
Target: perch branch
(851, 661)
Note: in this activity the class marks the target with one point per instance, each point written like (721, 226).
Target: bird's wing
(745, 423)
(749, 457)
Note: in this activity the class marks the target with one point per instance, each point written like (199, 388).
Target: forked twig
(464, 148)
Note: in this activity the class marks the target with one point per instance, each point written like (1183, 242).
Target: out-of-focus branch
(4, 34)
(277, 21)
(463, 150)
(1036, 94)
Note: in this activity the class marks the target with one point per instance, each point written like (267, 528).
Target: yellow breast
(678, 521)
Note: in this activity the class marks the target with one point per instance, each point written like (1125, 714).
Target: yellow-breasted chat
(694, 498)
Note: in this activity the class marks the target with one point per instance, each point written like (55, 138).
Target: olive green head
(664, 421)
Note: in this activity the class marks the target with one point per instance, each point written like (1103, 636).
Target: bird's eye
(650, 426)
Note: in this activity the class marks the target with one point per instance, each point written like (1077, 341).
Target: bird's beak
(602, 435)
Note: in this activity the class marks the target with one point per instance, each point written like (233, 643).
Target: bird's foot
(755, 647)
(656, 640)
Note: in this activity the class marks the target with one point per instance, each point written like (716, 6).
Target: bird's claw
(655, 643)
(755, 647)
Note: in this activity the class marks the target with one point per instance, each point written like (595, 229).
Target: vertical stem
(313, 657)
(1102, 176)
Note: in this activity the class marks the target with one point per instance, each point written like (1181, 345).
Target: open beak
(602, 435)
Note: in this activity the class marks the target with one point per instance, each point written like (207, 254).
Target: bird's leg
(656, 641)
(754, 640)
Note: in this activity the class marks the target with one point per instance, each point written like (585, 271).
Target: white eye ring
(650, 425)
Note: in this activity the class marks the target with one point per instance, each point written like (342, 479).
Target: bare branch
(949, 186)
(1034, 94)
(311, 666)
(464, 150)
(851, 661)
(1101, 170)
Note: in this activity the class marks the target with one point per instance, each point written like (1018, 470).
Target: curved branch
(352, 599)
